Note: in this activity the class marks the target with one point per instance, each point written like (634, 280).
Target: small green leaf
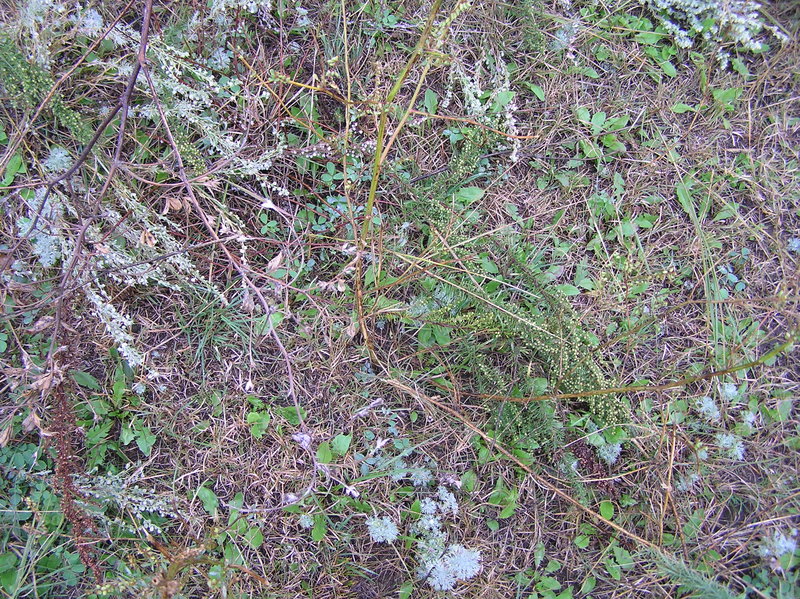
(582, 541)
(468, 195)
(537, 90)
(324, 454)
(209, 500)
(568, 290)
(405, 590)
(340, 444)
(431, 101)
(607, 509)
(84, 379)
(502, 100)
(254, 537)
(680, 108)
(493, 525)
(588, 585)
(668, 68)
(320, 528)
(468, 481)
(258, 421)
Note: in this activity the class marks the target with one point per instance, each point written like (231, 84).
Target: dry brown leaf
(275, 263)
(173, 204)
(44, 323)
(32, 422)
(5, 435)
(146, 238)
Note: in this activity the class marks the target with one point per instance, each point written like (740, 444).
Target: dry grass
(339, 350)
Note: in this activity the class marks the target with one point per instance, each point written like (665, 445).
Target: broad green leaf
(537, 90)
(320, 528)
(209, 500)
(680, 108)
(568, 290)
(254, 537)
(598, 120)
(145, 439)
(468, 195)
(340, 444)
(258, 421)
(324, 454)
(668, 68)
(289, 413)
(468, 481)
(502, 100)
(607, 509)
(588, 585)
(84, 379)
(431, 101)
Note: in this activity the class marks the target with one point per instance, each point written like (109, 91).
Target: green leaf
(209, 500)
(508, 510)
(468, 195)
(493, 525)
(607, 509)
(590, 72)
(613, 569)
(405, 590)
(431, 101)
(14, 166)
(145, 439)
(254, 537)
(468, 481)
(680, 108)
(324, 454)
(236, 504)
(548, 583)
(340, 444)
(502, 100)
(598, 120)
(126, 435)
(289, 413)
(590, 150)
(668, 68)
(537, 90)
(582, 541)
(84, 379)
(320, 528)
(568, 290)
(588, 585)
(258, 421)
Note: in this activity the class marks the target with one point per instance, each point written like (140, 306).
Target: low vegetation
(399, 299)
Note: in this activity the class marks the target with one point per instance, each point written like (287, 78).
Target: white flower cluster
(779, 544)
(734, 21)
(58, 160)
(382, 530)
(120, 494)
(732, 444)
(708, 409)
(45, 236)
(442, 565)
(609, 453)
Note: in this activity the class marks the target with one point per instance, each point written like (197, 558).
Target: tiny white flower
(609, 453)
(441, 578)
(728, 391)
(58, 160)
(305, 521)
(428, 506)
(382, 530)
(421, 477)
(462, 562)
(708, 408)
